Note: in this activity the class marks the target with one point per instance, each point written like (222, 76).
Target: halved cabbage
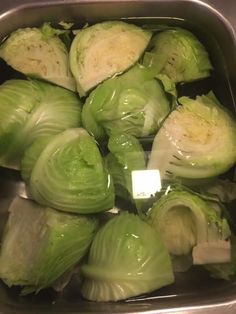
(189, 225)
(103, 50)
(178, 54)
(133, 103)
(39, 53)
(127, 258)
(197, 140)
(40, 244)
(32, 110)
(70, 175)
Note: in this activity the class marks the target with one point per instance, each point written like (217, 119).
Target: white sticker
(145, 183)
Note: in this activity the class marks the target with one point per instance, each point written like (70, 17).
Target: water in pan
(196, 282)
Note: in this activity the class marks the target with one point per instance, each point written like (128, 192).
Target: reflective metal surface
(214, 22)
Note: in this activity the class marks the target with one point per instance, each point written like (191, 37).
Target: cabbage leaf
(126, 154)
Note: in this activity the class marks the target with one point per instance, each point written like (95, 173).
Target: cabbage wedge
(127, 258)
(196, 141)
(104, 50)
(40, 244)
(39, 53)
(188, 224)
(178, 54)
(133, 103)
(69, 174)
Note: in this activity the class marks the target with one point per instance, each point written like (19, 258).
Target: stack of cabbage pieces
(79, 125)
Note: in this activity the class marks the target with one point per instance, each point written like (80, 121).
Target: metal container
(214, 22)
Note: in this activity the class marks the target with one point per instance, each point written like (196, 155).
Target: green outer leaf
(203, 224)
(31, 110)
(49, 32)
(103, 50)
(133, 103)
(39, 53)
(31, 156)
(178, 54)
(196, 141)
(126, 155)
(118, 175)
(70, 175)
(40, 244)
(127, 258)
(66, 25)
(168, 85)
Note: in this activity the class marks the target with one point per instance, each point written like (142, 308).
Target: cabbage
(126, 155)
(32, 110)
(103, 50)
(39, 53)
(40, 244)
(69, 174)
(188, 224)
(196, 141)
(178, 54)
(133, 103)
(127, 258)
